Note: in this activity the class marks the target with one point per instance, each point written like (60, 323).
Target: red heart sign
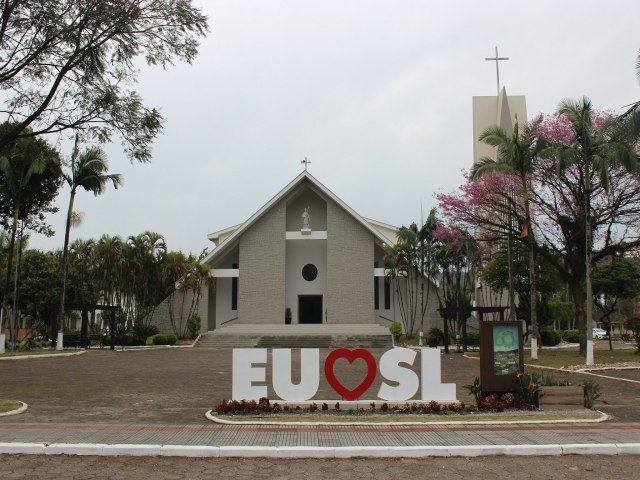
(350, 356)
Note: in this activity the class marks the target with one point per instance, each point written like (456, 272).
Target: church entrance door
(309, 308)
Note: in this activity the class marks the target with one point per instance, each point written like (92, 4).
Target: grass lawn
(563, 358)
(391, 418)
(36, 352)
(8, 405)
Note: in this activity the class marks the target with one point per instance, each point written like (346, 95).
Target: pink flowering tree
(517, 152)
(589, 166)
(590, 199)
(457, 262)
(488, 210)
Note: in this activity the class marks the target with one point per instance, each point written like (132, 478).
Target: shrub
(571, 336)
(171, 339)
(591, 393)
(530, 388)
(473, 339)
(193, 325)
(160, 340)
(435, 337)
(550, 337)
(142, 332)
(633, 324)
(475, 389)
(396, 330)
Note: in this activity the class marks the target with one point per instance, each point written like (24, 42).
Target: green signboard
(506, 350)
(501, 355)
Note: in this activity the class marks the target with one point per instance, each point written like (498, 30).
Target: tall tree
(457, 260)
(87, 170)
(66, 65)
(597, 144)
(37, 291)
(612, 282)
(411, 265)
(183, 277)
(82, 291)
(109, 263)
(144, 255)
(29, 181)
(517, 153)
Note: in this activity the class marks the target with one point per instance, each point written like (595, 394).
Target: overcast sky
(377, 94)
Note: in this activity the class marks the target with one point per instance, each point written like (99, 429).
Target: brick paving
(458, 468)
(159, 397)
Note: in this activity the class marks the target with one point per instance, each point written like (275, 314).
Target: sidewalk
(319, 441)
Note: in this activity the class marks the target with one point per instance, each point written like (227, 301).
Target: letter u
(309, 374)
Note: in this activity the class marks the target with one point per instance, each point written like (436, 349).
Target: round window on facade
(309, 272)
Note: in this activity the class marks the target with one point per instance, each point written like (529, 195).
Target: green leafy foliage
(435, 337)
(67, 64)
(142, 332)
(591, 393)
(193, 325)
(633, 324)
(396, 329)
(550, 337)
(571, 336)
(562, 312)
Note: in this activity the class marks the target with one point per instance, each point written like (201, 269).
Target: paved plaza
(148, 402)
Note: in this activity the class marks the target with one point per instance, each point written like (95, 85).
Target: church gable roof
(229, 238)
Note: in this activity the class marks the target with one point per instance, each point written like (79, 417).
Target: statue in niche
(306, 219)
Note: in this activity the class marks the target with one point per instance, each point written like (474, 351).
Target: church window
(387, 294)
(376, 290)
(309, 272)
(234, 290)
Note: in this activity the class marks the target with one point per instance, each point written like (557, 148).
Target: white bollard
(589, 359)
(2, 340)
(59, 345)
(534, 348)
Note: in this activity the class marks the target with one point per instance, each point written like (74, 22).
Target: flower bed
(264, 407)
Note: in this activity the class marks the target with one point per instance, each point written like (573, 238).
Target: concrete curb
(317, 452)
(17, 411)
(53, 355)
(603, 418)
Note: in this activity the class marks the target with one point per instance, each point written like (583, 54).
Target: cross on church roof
(497, 59)
(306, 162)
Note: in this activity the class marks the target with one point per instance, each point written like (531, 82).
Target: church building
(305, 257)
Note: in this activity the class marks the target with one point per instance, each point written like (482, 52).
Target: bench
(626, 338)
(472, 343)
(75, 340)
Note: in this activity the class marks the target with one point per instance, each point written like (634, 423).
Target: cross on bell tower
(497, 59)
(306, 163)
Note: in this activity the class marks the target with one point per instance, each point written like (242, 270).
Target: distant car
(599, 333)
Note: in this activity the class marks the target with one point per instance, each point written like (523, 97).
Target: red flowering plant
(264, 406)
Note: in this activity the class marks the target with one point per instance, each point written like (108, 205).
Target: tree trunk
(577, 293)
(63, 265)
(84, 329)
(7, 289)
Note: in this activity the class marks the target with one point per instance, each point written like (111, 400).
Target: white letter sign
(309, 374)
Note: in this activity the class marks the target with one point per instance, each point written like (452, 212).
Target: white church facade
(305, 257)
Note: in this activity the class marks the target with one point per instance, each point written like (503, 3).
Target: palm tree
(517, 153)
(596, 148)
(29, 181)
(144, 255)
(88, 171)
(82, 261)
(109, 267)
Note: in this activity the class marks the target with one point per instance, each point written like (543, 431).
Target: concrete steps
(297, 336)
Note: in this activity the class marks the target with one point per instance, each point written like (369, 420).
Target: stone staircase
(297, 336)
